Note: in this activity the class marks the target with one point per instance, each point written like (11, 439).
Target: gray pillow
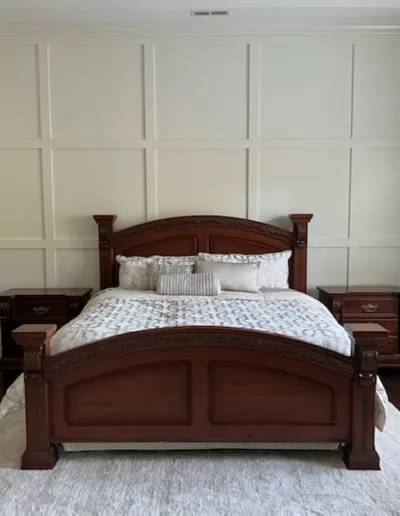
(242, 277)
(155, 269)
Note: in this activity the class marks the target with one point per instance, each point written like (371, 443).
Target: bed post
(299, 260)
(360, 453)
(105, 223)
(35, 339)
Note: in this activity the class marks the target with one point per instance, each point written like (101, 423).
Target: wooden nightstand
(378, 304)
(30, 306)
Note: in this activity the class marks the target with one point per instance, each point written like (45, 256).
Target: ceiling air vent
(217, 12)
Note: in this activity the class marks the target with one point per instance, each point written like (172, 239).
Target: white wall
(159, 126)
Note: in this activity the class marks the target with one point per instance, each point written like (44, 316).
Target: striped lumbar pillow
(188, 285)
(155, 269)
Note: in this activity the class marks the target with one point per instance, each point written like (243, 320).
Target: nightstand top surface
(70, 292)
(368, 289)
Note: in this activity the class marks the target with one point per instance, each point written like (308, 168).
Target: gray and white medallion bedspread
(286, 312)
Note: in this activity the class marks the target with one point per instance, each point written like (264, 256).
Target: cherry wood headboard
(181, 236)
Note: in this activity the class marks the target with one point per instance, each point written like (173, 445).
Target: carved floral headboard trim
(206, 233)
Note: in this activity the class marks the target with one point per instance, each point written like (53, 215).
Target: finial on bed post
(105, 223)
(299, 263)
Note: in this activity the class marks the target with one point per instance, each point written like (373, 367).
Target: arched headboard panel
(203, 233)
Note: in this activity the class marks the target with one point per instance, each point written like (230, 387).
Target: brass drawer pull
(369, 308)
(41, 310)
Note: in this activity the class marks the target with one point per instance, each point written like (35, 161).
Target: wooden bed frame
(199, 384)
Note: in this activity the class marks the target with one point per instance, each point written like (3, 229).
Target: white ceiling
(371, 12)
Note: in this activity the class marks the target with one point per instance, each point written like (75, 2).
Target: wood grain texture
(201, 389)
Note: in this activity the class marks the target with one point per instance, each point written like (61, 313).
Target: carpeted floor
(198, 483)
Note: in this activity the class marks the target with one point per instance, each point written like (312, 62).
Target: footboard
(198, 384)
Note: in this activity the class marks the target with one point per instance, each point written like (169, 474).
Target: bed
(199, 384)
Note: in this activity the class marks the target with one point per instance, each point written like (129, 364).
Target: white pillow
(133, 274)
(242, 277)
(188, 285)
(175, 260)
(155, 269)
(274, 267)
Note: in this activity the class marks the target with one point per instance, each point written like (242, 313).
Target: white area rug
(198, 483)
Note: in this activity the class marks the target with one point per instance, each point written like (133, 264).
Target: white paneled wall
(306, 88)
(211, 101)
(149, 127)
(96, 91)
(19, 92)
(208, 181)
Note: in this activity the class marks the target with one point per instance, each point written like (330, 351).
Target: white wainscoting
(156, 126)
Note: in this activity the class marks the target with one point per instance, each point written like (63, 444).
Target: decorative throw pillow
(242, 277)
(175, 260)
(133, 274)
(155, 269)
(274, 267)
(188, 285)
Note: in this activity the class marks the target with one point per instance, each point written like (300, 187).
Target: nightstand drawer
(371, 306)
(46, 308)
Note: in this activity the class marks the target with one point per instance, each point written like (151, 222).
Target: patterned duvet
(286, 312)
